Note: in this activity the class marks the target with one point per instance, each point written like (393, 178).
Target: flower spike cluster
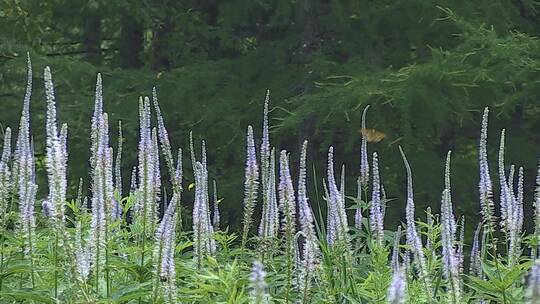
(5, 176)
(337, 219)
(413, 239)
(259, 292)
(536, 205)
(485, 187)
(25, 171)
(311, 250)
(204, 244)
(148, 179)
(376, 215)
(56, 156)
(269, 224)
(250, 185)
(364, 162)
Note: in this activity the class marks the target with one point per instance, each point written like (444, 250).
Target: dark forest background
(427, 68)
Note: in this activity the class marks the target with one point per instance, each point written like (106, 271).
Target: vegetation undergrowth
(115, 246)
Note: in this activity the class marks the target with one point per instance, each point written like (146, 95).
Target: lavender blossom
(519, 203)
(337, 221)
(27, 189)
(517, 220)
(215, 215)
(265, 152)
(364, 162)
(258, 288)
(510, 208)
(5, 176)
(269, 225)
(533, 284)
(397, 289)
(164, 251)
(265, 145)
(460, 244)
(80, 198)
(56, 155)
(485, 187)
(250, 185)
(376, 217)
(475, 266)
(98, 226)
(82, 256)
(506, 195)
(166, 149)
(146, 197)
(156, 177)
(118, 162)
(266, 229)
(413, 239)
(536, 206)
(204, 244)
(394, 263)
(450, 259)
(358, 211)
(311, 250)
(133, 184)
(286, 195)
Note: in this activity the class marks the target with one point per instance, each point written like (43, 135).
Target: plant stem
(55, 264)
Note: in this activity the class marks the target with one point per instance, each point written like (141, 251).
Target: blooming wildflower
(133, 184)
(27, 193)
(358, 211)
(533, 284)
(145, 205)
(364, 162)
(376, 218)
(5, 175)
(258, 288)
(450, 259)
(310, 247)
(536, 205)
(266, 226)
(265, 154)
(164, 138)
(461, 243)
(286, 194)
(506, 196)
(204, 243)
(250, 184)
(82, 256)
(337, 221)
(475, 266)
(396, 290)
(485, 187)
(118, 162)
(394, 263)
(46, 207)
(56, 155)
(413, 239)
(165, 249)
(269, 225)
(215, 215)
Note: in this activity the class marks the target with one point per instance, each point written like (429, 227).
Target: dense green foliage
(426, 67)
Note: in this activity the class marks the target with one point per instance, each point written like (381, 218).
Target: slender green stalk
(56, 264)
(31, 256)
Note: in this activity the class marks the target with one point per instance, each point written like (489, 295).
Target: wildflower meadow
(107, 244)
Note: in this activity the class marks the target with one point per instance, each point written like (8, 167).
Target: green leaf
(27, 294)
